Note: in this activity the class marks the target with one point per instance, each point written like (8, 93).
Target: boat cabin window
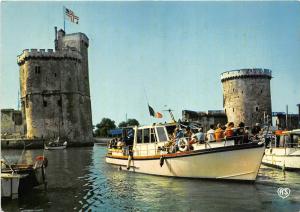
(146, 137)
(139, 136)
(161, 134)
(152, 135)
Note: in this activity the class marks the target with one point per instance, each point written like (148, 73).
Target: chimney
(298, 115)
(55, 41)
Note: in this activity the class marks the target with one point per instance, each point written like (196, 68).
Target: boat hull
(228, 163)
(288, 158)
(55, 148)
(10, 185)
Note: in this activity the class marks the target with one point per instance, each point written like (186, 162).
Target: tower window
(59, 102)
(45, 103)
(37, 69)
(27, 102)
(54, 74)
(256, 108)
(261, 91)
(232, 109)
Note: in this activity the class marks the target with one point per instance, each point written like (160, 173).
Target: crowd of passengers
(125, 141)
(240, 134)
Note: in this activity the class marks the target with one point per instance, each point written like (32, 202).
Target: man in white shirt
(210, 135)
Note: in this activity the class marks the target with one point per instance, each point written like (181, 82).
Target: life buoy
(43, 159)
(183, 144)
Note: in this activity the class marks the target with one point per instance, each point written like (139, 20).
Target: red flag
(158, 115)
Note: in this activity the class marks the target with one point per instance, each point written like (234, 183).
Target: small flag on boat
(151, 111)
(71, 15)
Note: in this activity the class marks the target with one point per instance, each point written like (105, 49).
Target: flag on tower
(71, 15)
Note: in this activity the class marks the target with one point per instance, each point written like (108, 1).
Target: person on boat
(210, 134)
(120, 144)
(219, 133)
(229, 131)
(256, 130)
(240, 134)
(178, 134)
(188, 133)
(198, 137)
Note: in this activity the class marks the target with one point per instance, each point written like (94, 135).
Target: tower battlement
(246, 73)
(66, 53)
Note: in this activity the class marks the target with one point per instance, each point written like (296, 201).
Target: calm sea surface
(80, 180)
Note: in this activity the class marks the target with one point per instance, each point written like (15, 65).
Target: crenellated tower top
(67, 53)
(246, 73)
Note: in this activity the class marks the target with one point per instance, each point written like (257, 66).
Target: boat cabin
(286, 139)
(149, 138)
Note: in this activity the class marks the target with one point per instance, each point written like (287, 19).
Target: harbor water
(80, 180)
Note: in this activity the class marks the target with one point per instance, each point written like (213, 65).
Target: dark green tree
(104, 126)
(122, 124)
(133, 122)
(129, 122)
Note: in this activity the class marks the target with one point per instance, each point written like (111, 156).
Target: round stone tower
(55, 96)
(247, 96)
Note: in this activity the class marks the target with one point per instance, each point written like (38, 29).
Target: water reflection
(80, 180)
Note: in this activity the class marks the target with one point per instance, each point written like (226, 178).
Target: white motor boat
(284, 151)
(149, 151)
(56, 145)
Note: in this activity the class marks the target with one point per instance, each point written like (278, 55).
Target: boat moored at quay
(284, 151)
(152, 150)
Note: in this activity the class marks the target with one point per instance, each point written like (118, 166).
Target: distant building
(247, 96)
(205, 119)
(55, 92)
(283, 121)
(11, 123)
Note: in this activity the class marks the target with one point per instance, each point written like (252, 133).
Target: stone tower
(55, 93)
(247, 96)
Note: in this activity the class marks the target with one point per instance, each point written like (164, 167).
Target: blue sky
(171, 53)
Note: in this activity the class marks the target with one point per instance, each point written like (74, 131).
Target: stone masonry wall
(247, 96)
(11, 123)
(54, 102)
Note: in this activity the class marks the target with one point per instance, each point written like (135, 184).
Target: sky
(167, 54)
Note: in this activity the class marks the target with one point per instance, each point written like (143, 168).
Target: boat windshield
(161, 133)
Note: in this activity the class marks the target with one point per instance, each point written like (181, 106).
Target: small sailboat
(56, 145)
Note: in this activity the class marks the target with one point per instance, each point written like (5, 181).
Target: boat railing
(172, 146)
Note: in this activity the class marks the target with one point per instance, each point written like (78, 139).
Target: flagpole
(64, 18)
